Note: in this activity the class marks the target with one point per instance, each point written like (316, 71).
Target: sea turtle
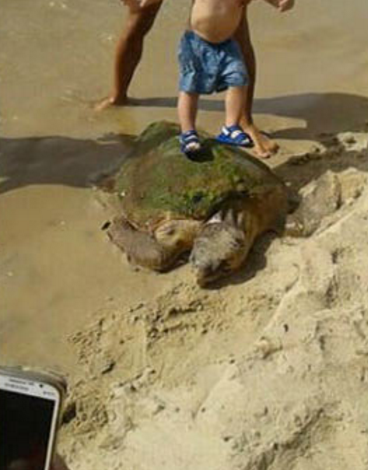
(214, 207)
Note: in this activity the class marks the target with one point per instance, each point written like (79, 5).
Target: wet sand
(56, 59)
(56, 265)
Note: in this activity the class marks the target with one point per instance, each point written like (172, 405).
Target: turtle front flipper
(141, 248)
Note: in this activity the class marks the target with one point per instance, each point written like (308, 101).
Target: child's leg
(234, 105)
(232, 133)
(187, 111)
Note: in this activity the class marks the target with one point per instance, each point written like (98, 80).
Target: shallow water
(56, 266)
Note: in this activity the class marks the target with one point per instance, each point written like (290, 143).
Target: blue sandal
(234, 135)
(189, 142)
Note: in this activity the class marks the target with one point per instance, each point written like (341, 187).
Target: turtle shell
(157, 181)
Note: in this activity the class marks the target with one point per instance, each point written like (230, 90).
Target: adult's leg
(264, 146)
(242, 35)
(129, 51)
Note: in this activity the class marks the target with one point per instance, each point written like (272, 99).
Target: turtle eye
(106, 225)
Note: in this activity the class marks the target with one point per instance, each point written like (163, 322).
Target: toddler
(211, 61)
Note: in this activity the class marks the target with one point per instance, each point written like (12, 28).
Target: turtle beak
(205, 273)
(204, 276)
(217, 252)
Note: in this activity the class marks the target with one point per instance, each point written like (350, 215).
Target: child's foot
(189, 143)
(234, 135)
(264, 147)
(111, 101)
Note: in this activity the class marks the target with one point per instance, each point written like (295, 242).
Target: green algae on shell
(158, 181)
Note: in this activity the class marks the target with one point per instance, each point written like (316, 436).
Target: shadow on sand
(322, 112)
(59, 160)
(74, 162)
(79, 163)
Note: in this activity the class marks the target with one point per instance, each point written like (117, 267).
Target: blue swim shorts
(207, 67)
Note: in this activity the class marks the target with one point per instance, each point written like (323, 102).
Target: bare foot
(264, 147)
(111, 101)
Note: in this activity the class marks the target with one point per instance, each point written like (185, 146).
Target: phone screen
(25, 428)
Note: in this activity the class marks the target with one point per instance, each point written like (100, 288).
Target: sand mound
(270, 373)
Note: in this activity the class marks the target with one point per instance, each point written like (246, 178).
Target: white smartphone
(30, 405)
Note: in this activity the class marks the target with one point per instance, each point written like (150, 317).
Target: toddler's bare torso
(216, 20)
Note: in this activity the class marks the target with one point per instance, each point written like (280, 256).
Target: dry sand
(270, 371)
(267, 372)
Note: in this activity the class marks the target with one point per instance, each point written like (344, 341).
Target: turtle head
(218, 251)
(177, 235)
